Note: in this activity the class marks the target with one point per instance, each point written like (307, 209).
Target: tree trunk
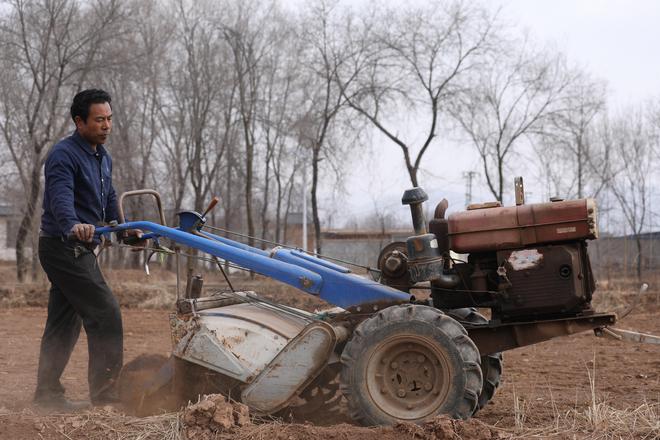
(638, 242)
(25, 226)
(286, 214)
(249, 158)
(278, 209)
(315, 207)
(264, 206)
(579, 170)
(412, 172)
(500, 177)
(228, 189)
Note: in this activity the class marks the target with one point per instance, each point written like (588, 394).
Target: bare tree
(249, 34)
(322, 101)
(196, 108)
(512, 99)
(47, 50)
(407, 65)
(567, 141)
(281, 69)
(629, 141)
(286, 165)
(282, 98)
(136, 86)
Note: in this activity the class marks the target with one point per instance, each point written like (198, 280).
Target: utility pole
(468, 176)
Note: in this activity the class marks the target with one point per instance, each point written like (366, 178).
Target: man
(79, 195)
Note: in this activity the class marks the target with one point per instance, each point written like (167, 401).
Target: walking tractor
(393, 357)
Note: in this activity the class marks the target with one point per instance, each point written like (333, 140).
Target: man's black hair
(83, 100)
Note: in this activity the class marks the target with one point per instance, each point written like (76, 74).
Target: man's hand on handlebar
(133, 237)
(83, 232)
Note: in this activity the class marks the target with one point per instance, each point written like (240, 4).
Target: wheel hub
(408, 377)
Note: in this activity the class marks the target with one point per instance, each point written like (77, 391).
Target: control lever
(214, 202)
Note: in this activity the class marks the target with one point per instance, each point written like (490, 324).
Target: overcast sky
(614, 40)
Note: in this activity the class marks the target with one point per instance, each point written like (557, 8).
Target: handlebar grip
(132, 239)
(214, 202)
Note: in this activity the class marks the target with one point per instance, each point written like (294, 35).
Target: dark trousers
(79, 296)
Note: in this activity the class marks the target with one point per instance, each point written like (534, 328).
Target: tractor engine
(524, 262)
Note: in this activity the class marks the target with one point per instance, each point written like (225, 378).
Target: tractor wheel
(410, 363)
(318, 401)
(491, 364)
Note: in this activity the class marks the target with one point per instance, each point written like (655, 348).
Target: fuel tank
(492, 228)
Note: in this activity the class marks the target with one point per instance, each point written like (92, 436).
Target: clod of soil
(445, 428)
(214, 414)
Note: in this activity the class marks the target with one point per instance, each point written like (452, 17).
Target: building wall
(359, 248)
(364, 252)
(294, 236)
(609, 255)
(619, 254)
(7, 251)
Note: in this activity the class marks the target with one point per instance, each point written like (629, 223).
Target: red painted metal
(511, 227)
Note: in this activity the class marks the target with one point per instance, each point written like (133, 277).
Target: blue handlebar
(333, 283)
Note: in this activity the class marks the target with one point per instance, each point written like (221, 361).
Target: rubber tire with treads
(415, 338)
(491, 364)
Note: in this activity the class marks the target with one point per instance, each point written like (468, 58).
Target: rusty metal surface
(492, 338)
(545, 280)
(179, 327)
(484, 205)
(439, 226)
(518, 226)
(202, 347)
(628, 335)
(186, 305)
(519, 189)
(393, 264)
(139, 192)
(292, 370)
(525, 259)
(237, 340)
(272, 320)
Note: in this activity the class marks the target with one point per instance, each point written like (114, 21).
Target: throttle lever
(214, 202)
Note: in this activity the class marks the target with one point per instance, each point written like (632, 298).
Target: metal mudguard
(292, 369)
(276, 351)
(238, 340)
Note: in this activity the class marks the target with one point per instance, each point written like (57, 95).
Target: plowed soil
(541, 383)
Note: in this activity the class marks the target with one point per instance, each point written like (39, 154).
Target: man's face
(98, 125)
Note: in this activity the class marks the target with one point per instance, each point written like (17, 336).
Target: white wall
(6, 253)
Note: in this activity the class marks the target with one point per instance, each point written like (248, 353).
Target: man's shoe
(107, 397)
(57, 402)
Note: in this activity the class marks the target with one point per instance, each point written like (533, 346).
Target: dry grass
(598, 421)
(606, 421)
(101, 424)
(520, 411)
(617, 294)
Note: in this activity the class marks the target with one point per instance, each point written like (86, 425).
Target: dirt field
(546, 389)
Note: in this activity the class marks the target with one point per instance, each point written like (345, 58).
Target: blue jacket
(78, 186)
